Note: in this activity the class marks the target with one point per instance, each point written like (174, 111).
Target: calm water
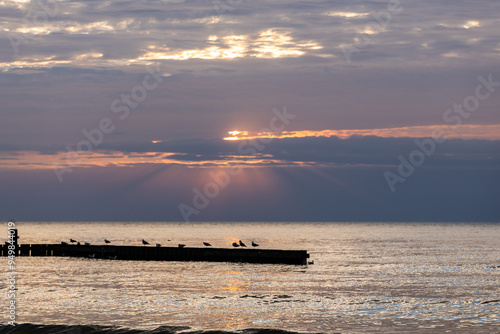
(365, 278)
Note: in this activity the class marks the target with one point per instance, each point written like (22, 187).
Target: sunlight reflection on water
(382, 275)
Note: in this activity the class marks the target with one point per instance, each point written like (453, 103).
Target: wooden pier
(164, 253)
(149, 253)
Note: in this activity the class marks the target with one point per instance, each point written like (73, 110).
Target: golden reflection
(229, 241)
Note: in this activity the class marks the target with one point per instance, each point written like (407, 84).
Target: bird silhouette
(144, 242)
(158, 245)
(72, 240)
(107, 241)
(235, 244)
(78, 243)
(64, 243)
(242, 244)
(181, 245)
(87, 244)
(254, 244)
(206, 244)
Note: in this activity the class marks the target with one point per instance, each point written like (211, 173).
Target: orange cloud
(489, 132)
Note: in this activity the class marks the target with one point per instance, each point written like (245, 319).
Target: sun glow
(235, 135)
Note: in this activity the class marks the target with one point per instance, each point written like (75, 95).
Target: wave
(91, 329)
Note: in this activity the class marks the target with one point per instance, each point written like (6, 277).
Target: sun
(235, 135)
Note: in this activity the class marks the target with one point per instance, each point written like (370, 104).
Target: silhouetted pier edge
(150, 253)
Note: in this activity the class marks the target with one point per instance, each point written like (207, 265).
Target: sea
(366, 278)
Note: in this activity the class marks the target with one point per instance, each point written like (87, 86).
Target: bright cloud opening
(471, 24)
(347, 14)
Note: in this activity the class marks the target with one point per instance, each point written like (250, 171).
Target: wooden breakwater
(143, 253)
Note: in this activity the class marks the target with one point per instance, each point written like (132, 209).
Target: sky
(237, 110)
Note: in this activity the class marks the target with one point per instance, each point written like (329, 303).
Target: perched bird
(206, 244)
(64, 243)
(107, 241)
(242, 244)
(71, 240)
(158, 245)
(144, 242)
(87, 244)
(78, 243)
(181, 245)
(235, 244)
(310, 262)
(254, 244)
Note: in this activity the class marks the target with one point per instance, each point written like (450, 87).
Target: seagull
(181, 245)
(235, 244)
(72, 240)
(242, 244)
(206, 244)
(64, 243)
(254, 244)
(144, 242)
(158, 245)
(107, 241)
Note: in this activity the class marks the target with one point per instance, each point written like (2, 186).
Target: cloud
(271, 43)
(284, 152)
(181, 30)
(491, 132)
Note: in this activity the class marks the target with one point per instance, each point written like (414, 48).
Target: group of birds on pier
(79, 244)
(207, 244)
(241, 244)
(144, 242)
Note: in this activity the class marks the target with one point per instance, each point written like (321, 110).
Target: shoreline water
(90, 329)
(377, 278)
